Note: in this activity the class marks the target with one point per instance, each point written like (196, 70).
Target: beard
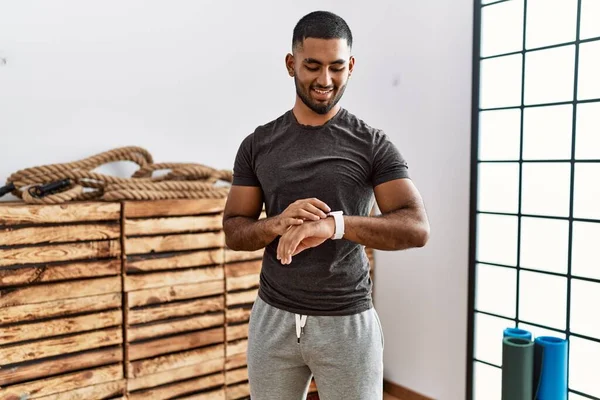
(319, 107)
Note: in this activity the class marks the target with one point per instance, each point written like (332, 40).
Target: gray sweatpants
(344, 353)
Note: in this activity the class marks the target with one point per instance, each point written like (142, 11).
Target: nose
(324, 78)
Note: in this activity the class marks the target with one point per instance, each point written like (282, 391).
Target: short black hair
(321, 25)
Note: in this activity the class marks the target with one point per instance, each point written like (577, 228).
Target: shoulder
(361, 128)
(273, 126)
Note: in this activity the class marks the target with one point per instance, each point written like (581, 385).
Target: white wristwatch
(338, 217)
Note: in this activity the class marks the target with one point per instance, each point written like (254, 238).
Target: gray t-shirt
(339, 163)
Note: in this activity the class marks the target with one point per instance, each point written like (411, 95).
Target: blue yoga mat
(550, 368)
(517, 333)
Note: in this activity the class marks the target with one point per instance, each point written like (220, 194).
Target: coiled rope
(77, 181)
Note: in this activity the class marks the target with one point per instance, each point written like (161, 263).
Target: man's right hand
(296, 213)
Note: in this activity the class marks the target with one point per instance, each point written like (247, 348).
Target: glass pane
(585, 260)
(500, 83)
(588, 86)
(544, 244)
(587, 140)
(488, 382)
(499, 134)
(590, 15)
(549, 75)
(498, 187)
(584, 364)
(587, 191)
(537, 332)
(495, 37)
(550, 22)
(543, 299)
(547, 133)
(546, 189)
(488, 337)
(496, 290)
(585, 298)
(497, 239)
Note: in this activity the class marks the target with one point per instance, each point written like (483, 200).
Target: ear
(351, 65)
(289, 64)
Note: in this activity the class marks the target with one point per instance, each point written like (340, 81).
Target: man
(318, 169)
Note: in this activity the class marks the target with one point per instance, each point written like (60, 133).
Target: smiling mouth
(322, 94)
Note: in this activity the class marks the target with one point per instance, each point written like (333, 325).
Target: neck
(306, 116)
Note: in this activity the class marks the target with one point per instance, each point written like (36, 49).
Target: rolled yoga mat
(517, 368)
(550, 368)
(518, 333)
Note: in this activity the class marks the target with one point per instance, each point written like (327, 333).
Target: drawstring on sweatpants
(300, 322)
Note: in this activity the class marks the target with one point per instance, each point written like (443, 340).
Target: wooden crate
(174, 299)
(242, 272)
(61, 328)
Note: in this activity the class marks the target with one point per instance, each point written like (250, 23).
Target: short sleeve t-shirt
(339, 163)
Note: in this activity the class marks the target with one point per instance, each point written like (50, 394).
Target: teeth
(322, 91)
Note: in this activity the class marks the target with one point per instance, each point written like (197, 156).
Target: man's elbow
(420, 236)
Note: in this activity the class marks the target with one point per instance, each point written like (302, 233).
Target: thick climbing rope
(77, 181)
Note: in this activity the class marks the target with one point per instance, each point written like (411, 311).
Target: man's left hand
(301, 237)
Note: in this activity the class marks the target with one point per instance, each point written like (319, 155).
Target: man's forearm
(398, 230)
(248, 234)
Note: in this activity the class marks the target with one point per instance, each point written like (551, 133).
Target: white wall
(189, 79)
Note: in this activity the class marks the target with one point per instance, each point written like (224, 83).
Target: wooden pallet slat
(167, 294)
(235, 315)
(153, 226)
(176, 242)
(238, 391)
(69, 363)
(19, 213)
(193, 323)
(59, 291)
(173, 375)
(218, 394)
(57, 327)
(62, 307)
(236, 376)
(176, 261)
(180, 388)
(59, 252)
(13, 354)
(242, 268)
(63, 383)
(165, 208)
(160, 279)
(235, 332)
(173, 310)
(99, 391)
(187, 341)
(236, 256)
(59, 234)
(245, 297)
(176, 360)
(58, 272)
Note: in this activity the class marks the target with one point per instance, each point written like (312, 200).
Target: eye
(312, 68)
(337, 69)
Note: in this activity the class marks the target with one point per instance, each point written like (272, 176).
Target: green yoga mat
(517, 369)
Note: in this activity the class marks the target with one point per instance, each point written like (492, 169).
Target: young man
(318, 169)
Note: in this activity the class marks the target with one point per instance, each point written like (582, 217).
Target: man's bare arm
(403, 222)
(244, 231)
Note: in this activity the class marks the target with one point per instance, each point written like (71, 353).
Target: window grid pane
(547, 237)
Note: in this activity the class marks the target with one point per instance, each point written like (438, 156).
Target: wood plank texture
(68, 363)
(237, 269)
(187, 341)
(165, 208)
(59, 234)
(58, 272)
(170, 327)
(235, 332)
(235, 361)
(100, 391)
(174, 310)
(177, 360)
(59, 252)
(177, 261)
(172, 293)
(235, 256)
(173, 375)
(154, 226)
(178, 389)
(57, 308)
(237, 391)
(246, 297)
(59, 291)
(161, 244)
(63, 326)
(236, 376)
(160, 279)
(19, 213)
(234, 315)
